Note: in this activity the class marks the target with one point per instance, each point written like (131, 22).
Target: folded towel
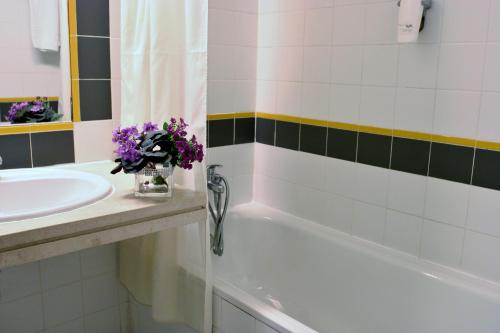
(44, 16)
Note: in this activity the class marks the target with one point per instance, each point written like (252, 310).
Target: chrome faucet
(218, 186)
(1, 160)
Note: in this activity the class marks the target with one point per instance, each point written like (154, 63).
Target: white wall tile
(348, 24)
(292, 5)
(380, 65)
(106, 321)
(340, 177)
(291, 28)
(479, 255)
(418, 65)
(219, 23)
(23, 315)
(465, 21)
(489, 117)
(484, 211)
(92, 141)
(446, 201)
(265, 99)
(461, 66)
(442, 243)
(290, 63)
(267, 63)
(316, 100)
(62, 304)
(407, 192)
(114, 18)
(245, 29)
(61, 270)
(381, 18)
(244, 96)
(115, 55)
(377, 106)
(347, 64)
(494, 26)
(11, 85)
(457, 113)
(98, 260)
(75, 326)
(268, 30)
(99, 292)
(221, 62)
(345, 102)
(414, 109)
(311, 205)
(340, 213)
(245, 67)
(289, 98)
(372, 184)
(220, 97)
(317, 64)
(318, 26)
(402, 232)
(369, 222)
(492, 68)
(19, 281)
(235, 320)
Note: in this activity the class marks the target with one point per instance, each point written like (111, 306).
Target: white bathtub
(298, 276)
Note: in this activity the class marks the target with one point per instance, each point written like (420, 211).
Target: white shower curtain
(164, 72)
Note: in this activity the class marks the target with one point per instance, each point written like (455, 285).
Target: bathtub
(297, 276)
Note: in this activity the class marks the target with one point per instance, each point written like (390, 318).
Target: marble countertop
(120, 208)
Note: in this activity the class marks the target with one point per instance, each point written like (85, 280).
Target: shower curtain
(164, 72)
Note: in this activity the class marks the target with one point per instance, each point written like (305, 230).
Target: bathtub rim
(444, 274)
(256, 308)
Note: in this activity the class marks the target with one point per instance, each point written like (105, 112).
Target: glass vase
(155, 181)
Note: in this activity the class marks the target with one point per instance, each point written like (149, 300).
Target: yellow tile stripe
(367, 129)
(36, 128)
(223, 116)
(73, 53)
(25, 99)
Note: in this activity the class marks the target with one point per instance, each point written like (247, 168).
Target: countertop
(120, 208)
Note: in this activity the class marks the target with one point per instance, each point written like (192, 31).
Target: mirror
(34, 61)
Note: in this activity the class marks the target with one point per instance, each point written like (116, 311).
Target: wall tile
(220, 97)
(99, 292)
(287, 135)
(316, 100)
(311, 205)
(265, 98)
(95, 99)
(52, 148)
(106, 321)
(92, 141)
(492, 68)
(489, 118)
(98, 260)
(289, 98)
(62, 304)
(61, 270)
(92, 17)
(75, 326)
(377, 106)
(346, 24)
(245, 66)
(451, 162)
(345, 103)
(318, 26)
(369, 222)
(342, 144)
(289, 63)
(402, 232)
(25, 315)
(291, 28)
(418, 65)
(94, 60)
(340, 213)
(219, 23)
(244, 130)
(410, 155)
(15, 151)
(313, 139)
(19, 281)
(407, 193)
(456, 113)
(460, 66)
(460, 11)
(374, 149)
(347, 64)
(340, 177)
(265, 131)
(244, 96)
(379, 23)
(486, 164)
(380, 65)
(484, 211)
(372, 184)
(317, 64)
(414, 109)
(442, 243)
(478, 255)
(221, 62)
(446, 201)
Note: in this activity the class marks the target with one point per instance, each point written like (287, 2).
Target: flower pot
(155, 181)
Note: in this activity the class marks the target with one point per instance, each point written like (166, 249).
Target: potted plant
(37, 111)
(152, 154)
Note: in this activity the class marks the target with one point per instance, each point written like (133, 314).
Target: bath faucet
(218, 186)
(1, 160)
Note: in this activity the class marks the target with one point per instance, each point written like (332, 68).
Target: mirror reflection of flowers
(149, 146)
(37, 111)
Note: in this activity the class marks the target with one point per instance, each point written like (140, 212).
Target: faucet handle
(211, 169)
(1, 160)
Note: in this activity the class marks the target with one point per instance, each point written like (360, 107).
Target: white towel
(44, 16)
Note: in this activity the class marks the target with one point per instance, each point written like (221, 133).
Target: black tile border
(467, 165)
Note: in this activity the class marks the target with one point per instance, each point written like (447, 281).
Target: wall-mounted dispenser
(411, 19)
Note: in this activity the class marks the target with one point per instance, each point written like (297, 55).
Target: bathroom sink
(30, 193)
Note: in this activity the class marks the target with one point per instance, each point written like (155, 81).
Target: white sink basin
(29, 193)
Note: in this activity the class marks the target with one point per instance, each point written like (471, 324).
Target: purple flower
(149, 127)
(126, 138)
